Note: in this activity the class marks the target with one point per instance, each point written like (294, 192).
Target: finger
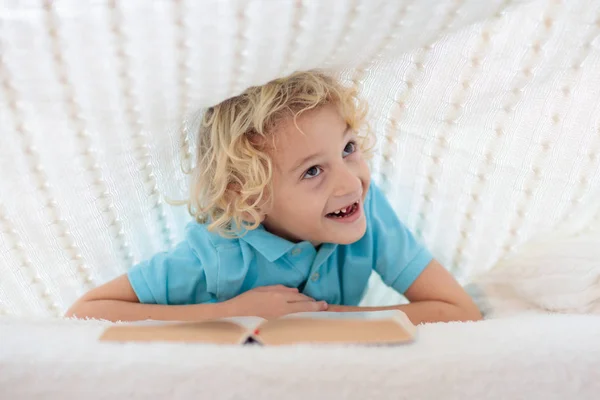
(308, 306)
(277, 288)
(297, 297)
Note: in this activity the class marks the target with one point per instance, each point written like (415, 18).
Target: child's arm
(435, 296)
(116, 301)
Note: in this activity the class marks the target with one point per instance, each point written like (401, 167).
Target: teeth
(344, 210)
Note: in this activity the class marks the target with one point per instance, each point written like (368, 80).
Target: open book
(375, 327)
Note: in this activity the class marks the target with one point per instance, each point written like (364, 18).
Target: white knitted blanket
(487, 115)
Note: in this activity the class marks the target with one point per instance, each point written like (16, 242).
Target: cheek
(363, 168)
(291, 204)
(305, 206)
(365, 175)
(299, 202)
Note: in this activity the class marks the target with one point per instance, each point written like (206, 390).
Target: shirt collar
(271, 246)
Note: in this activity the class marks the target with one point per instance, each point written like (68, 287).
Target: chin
(349, 238)
(348, 241)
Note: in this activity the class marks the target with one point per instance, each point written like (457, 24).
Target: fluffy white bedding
(530, 356)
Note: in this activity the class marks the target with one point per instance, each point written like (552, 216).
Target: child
(287, 220)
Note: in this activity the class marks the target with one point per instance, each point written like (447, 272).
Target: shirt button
(296, 251)
(315, 277)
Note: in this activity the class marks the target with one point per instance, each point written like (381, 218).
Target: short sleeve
(171, 277)
(399, 257)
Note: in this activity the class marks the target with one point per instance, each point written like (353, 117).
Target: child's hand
(272, 302)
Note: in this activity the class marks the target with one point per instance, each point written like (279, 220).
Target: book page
(148, 322)
(223, 331)
(376, 327)
(392, 315)
(248, 323)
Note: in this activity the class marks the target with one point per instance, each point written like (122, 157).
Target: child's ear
(260, 209)
(248, 218)
(233, 192)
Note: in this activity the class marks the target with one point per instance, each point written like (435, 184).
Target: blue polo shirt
(206, 267)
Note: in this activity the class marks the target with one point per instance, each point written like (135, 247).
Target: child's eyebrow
(305, 160)
(313, 156)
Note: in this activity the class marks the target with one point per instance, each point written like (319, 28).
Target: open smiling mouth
(344, 212)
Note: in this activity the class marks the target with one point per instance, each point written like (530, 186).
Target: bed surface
(553, 356)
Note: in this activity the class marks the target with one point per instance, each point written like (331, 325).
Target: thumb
(309, 306)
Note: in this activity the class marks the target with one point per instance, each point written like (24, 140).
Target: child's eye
(312, 172)
(349, 149)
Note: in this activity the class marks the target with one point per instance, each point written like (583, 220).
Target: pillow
(556, 272)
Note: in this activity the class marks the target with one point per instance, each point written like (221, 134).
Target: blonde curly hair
(233, 173)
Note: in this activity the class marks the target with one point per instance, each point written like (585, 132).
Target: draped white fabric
(487, 114)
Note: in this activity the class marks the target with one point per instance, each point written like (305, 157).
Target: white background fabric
(487, 115)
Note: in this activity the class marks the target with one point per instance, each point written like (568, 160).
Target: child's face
(317, 173)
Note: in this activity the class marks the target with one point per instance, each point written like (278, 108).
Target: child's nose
(347, 183)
